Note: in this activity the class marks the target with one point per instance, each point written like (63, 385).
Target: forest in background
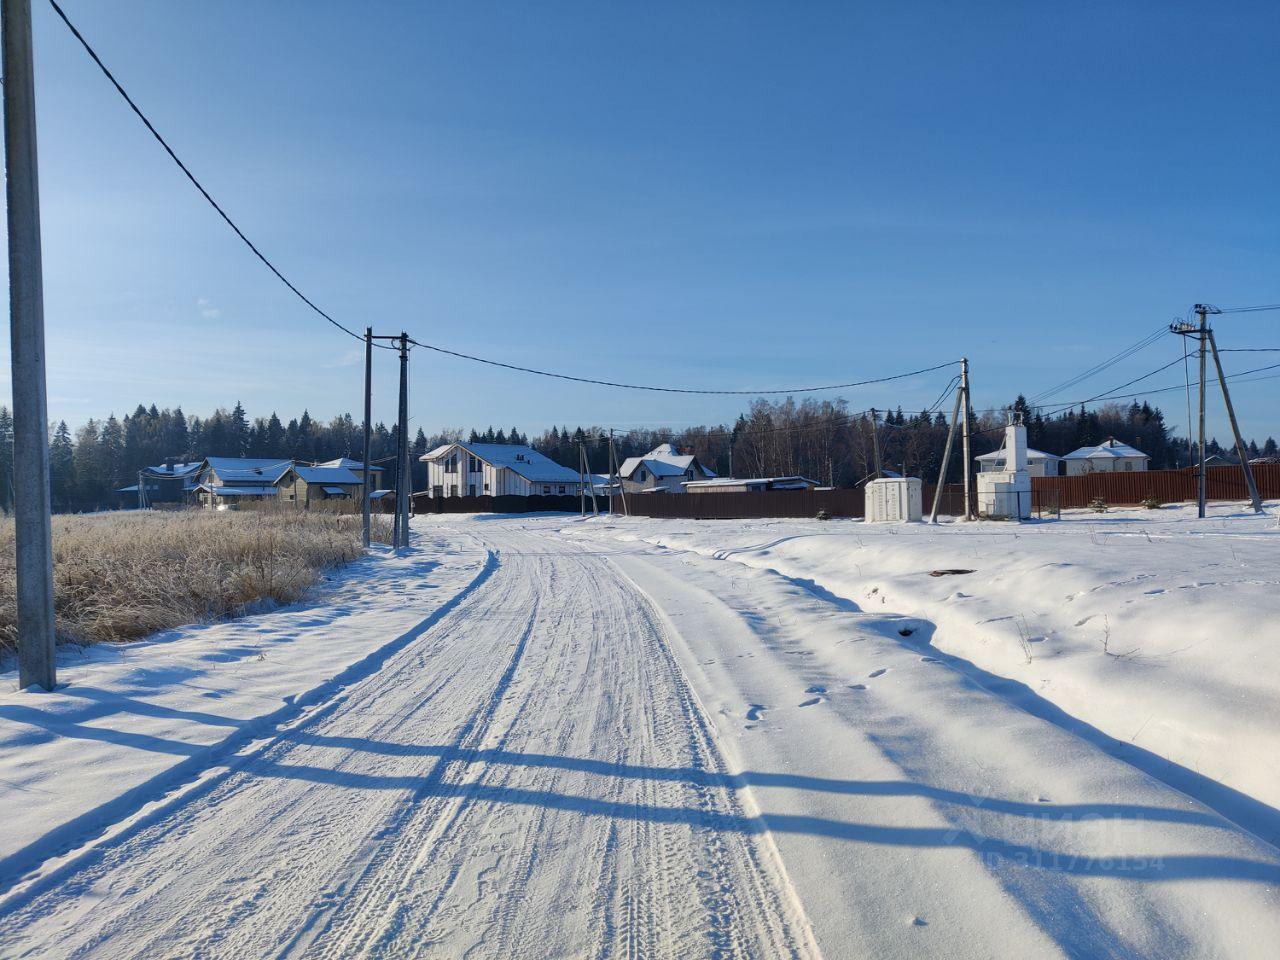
(820, 439)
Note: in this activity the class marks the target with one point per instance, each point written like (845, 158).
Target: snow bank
(1157, 629)
(132, 722)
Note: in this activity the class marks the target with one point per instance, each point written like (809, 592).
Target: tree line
(819, 439)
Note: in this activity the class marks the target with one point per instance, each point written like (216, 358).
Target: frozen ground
(546, 738)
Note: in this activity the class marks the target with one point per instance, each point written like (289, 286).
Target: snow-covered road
(606, 749)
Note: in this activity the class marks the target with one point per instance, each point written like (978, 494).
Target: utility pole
(946, 457)
(582, 490)
(964, 448)
(617, 481)
(875, 444)
(368, 413)
(31, 500)
(1202, 489)
(1200, 332)
(403, 487)
(1241, 452)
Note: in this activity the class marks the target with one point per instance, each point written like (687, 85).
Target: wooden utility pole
(368, 413)
(31, 501)
(1241, 452)
(964, 449)
(946, 457)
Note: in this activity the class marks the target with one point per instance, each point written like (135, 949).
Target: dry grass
(122, 576)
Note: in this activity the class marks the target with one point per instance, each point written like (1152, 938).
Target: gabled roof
(1110, 447)
(348, 464)
(239, 490)
(322, 475)
(1031, 455)
(516, 457)
(247, 470)
(179, 470)
(664, 461)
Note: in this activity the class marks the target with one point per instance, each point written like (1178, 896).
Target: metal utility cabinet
(894, 499)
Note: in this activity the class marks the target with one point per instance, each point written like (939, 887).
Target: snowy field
(541, 737)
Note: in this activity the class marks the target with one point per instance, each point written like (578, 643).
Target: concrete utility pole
(875, 443)
(1241, 452)
(946, 457)
(405, 482)
(31, 498)
(368, 413)
(964, 449)
(1202, 488)
(582, 490)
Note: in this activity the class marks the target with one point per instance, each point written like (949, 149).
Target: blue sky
(714, 194)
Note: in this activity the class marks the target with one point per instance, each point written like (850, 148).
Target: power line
(1257, 309)
(1104, 365)
(655, 389)
(351, 333)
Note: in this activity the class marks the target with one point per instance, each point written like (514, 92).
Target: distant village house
(662, 470)
(1110, 456)
(497, 469)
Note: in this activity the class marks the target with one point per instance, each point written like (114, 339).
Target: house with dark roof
(662, 470)
(497, 469)
(169, 482)
(302, 486)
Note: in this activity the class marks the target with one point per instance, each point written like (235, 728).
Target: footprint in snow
(930, 660)
(919, 922)
(857, 686)
(815, 689)
(755, 711)
(878, 673)
(811, 702)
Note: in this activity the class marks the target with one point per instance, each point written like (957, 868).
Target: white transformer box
(894, 499)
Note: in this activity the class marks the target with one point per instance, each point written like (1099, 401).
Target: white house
(662, 469)
(499, 469)
(1110, 456)
(1039, 463)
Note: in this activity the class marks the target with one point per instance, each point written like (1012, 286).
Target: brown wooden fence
(1048, 496)
(1167, 486)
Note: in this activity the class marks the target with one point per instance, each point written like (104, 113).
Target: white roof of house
(240, 490)
(1108, 448)
(348, 464)
(516, 457)
(324, 475)
(248, 470)
(1031, 455)
(179, 469)
(663, 461)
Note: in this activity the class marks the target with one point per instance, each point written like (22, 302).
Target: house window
(453, 489)
(546, 489)
(471, 489)
(437, 491)
(561, 488)
(1128, 465)
(474, 464)
(641, 476)
(486, 488)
